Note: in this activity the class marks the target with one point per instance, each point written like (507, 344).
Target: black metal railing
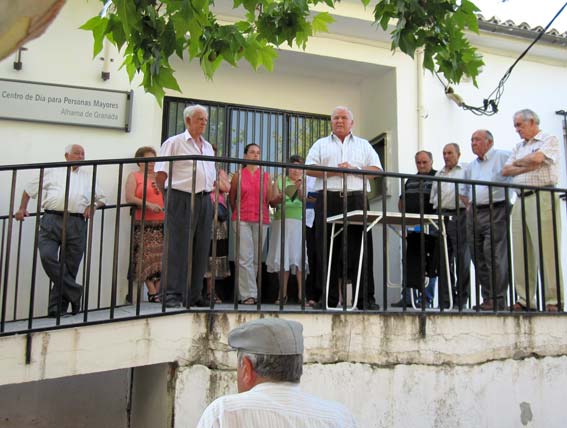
(110, 294)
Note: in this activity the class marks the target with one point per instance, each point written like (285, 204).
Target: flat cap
(269, 336)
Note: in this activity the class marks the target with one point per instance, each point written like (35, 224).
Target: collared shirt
(330, 151)
(548, 172)
(275, 405)
(182, 172)
(488, 169)
(54, 183)
(447, 189)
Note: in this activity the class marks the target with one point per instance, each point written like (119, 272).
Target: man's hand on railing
(21, 213)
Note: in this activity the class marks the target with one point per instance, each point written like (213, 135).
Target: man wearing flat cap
(270, 365)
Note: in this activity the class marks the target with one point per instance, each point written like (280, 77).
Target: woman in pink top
(146, 266)
(249, 208)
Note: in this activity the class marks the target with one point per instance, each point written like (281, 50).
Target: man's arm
(528, 163)
(23, 210)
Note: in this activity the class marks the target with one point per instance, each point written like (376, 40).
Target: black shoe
(200, 304)
(53, 314)
(400, 304)
(75, 308)
(172, 303)
(369, 306)
(318, 305)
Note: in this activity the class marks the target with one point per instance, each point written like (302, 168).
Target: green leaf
(321, 21)
(166, 79)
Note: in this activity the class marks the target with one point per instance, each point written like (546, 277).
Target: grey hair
(69, 147)
(337, 108)
(191, 110)
(429, 154)
(456, 146)
(278, 368)
(528, 114)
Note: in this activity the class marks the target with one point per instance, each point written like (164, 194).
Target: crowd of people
(195, 196)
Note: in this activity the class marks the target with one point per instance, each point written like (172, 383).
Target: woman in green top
(292, 191)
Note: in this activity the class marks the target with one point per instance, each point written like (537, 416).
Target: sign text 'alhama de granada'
(69, 105)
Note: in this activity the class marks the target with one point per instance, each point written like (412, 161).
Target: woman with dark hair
(249, 208)
(146, 265)
(289, 191)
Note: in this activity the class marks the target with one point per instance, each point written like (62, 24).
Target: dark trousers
(354, 236)
(50, 244)
(459, 255)
(490, 261)
(313, 282)
(185, 228)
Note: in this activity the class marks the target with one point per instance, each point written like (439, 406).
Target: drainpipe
(563, 113)
(420, 109)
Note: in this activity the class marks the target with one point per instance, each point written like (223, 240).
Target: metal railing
(110, 295)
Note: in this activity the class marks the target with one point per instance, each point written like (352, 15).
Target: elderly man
(417, 195)
(58, 257)
(453, 208)
(344, 150)
(270, 365)
(488, 223)
(535, 162)
(186, 227)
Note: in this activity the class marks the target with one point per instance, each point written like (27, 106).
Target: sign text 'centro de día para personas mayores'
(68, 105)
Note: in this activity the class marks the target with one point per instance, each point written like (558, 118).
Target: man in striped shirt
(270, 365)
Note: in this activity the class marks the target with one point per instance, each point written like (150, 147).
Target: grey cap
(269, 336)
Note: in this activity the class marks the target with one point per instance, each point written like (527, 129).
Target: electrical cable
(490, 105)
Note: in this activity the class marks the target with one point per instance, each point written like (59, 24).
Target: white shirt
(330, 151)
(489, 169)
(275, 405)
(80, 185)
(548, 172)
(182, 172)
(447, 189)
(310, 212)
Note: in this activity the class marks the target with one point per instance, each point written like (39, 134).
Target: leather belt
(497, 204)
(460, 210)
(526, 194)
(62, 213)
(347, 194)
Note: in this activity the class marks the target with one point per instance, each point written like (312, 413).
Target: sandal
(310, 303)
(249, 301)
(154, 298)
(277, 302)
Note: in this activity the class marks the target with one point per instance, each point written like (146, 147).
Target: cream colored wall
(391, 370)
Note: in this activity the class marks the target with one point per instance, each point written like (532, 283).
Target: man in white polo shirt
(73, 213)
(187, 228)
(342, 149)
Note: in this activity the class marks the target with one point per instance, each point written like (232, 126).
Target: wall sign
(68, 105)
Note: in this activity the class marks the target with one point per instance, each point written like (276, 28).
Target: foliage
(438, 26)
(150, 32)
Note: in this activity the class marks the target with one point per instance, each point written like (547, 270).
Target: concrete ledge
(380, 340)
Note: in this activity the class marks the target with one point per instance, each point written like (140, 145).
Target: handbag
(222, 214)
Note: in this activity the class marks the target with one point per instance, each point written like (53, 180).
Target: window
(231, 127)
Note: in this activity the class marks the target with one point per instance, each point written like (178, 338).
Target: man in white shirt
(72, 212)
(186, 228)
(535, 162)
(344, 150)
(456, 228)
(270, 365)
(487, 222)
